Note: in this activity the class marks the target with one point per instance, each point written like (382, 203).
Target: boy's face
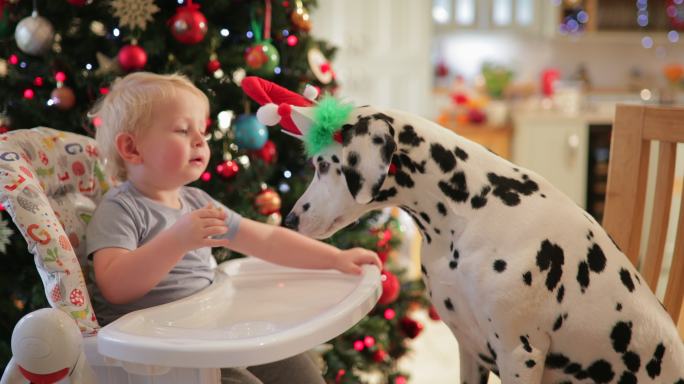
(173, 149)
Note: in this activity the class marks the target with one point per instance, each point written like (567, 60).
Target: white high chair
(253, 313)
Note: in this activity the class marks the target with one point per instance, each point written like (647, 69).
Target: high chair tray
(253, 313)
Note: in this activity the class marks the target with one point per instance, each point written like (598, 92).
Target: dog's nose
(292, 221)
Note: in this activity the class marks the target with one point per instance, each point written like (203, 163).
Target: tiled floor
(434, 355)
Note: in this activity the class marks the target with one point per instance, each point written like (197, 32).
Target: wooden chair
(634, 129)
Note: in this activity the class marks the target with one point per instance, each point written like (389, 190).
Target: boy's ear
(125, 145)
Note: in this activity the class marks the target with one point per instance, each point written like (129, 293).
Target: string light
(13, 59)
(225, 32)
(38, 81)
(292, 40)
(28, 93)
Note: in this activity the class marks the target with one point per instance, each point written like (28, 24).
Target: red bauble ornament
(267, 153)
(390, 288)
(132, 58)
(267, 201)
(213, 65)
(228, 169)
(410, 327)
(432, 312)
(188, 25)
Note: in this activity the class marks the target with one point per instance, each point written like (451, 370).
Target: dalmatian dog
(531, 286)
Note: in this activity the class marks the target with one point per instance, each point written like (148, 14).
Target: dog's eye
(323, 167)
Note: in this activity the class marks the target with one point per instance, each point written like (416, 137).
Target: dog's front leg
(522, 361)
(471, 371)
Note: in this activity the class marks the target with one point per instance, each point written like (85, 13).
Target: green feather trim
(329, 116)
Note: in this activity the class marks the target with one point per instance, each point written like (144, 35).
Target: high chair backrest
(634, 129)
(50, 183)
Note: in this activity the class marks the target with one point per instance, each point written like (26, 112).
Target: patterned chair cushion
(50, 183)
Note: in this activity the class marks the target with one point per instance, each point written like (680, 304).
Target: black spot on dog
(626, 279)
(441, 209)
(632, 361)
(428, 238)
(527, 278)
(405, 160)
(375, 189)
(526, 344)
(448, 304)
(621, 336)
(596, 258)
(530, 363)
(453, 264)
(456, 188)
(499, 265)
(559, 322)
(560, 294)
(556, 361)
(335, 159)
(492, 353)
(509, 190)
(653, 366)
(404, 179)
(347, 134)
(388, 149)
(377, 140)
(444, 158)
(480, 200)
(306, 206)
(583, 275)
(572, 368)
(627, 378)
(550, 256)
(461, 154)
(381, 116)
(352, 159)
(385, 194)
(408, 136)
(362, 126)
(354, 180)
(618, 307)
(425, 217)
(601, 372)
(437, 230)
(422, 269)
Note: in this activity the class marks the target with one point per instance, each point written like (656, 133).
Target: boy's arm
(282, 246)
(123, 275)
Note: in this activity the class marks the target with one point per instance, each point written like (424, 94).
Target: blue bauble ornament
(249, 132)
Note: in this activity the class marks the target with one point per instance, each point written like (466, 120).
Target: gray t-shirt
(127, 219)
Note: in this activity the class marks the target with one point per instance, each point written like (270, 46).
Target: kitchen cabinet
(555, 146)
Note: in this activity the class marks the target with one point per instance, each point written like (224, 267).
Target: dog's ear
(367, 149)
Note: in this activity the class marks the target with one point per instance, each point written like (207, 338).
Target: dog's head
(348, 176)
(349, 170)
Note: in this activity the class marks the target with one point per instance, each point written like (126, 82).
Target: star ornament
(134, 13)
(105, 64)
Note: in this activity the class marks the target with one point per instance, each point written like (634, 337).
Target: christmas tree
(58, 57)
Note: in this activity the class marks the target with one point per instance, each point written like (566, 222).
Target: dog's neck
(418, 184)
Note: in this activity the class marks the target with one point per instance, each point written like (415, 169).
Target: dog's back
(530, 260)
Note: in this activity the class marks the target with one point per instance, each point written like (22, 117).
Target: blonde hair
(128, 108)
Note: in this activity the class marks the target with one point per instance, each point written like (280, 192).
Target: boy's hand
(351, 260)
(195, 229)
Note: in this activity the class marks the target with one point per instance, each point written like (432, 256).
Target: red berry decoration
(188, 25)
(410, 327)
(390, 288)
(132, 58)
(76, 297)
(379, 356)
